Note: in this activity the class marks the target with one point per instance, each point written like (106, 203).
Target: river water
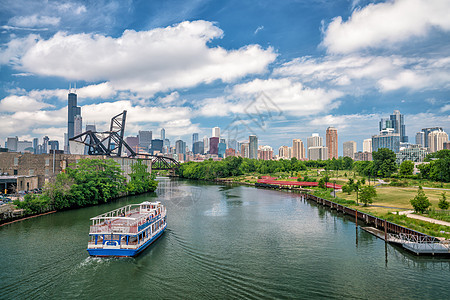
(220, 242)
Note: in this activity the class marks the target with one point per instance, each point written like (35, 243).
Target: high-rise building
(285, 152)
(205, 144)
(216, 132)
(318, 153)
(232, 143)
(314, 141)
(446, 145)
(157, 146)
(45, 144)
(436, 140)
(221, 148)
(198, 148)
(145, 140)
(420, 138)
(298, 149)
(349, 149)
(23, 146)
(386, 139)
(332, 142)
(245, 149)
(363, 156)
(53, 145)
(163, 134)
(265, 153)
(194, 139)
(72, 111)
(426, 132)
(78, 123)
(398, 123)
(253, 147)
(367, 145)
(214, 145)
(180, 147)
(35, 145)
(12, 143)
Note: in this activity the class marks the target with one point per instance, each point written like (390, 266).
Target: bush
(443, 203)
(420, 202)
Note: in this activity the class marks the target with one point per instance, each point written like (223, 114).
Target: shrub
(443, 203)
(420, 202)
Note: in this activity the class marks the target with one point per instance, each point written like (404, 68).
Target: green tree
(443, 203)
(141, 181)
(367, 194)
(420, 202)
(347, 163)
(406, 168)
(384, 162)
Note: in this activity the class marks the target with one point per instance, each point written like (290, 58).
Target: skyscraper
(214, 145)
(163, 134)
(367, 145)
(180, 147)
(436, 140)
(12, 143)
(427, 131)
(78, 129)
(285, 152)
(244, 149)
(145, 140)
(253, 147)
(318, 153)
(314, 141)
(298, 149)
(420, 138)
(332, 142)
(398, 123)
(72, 111)
(349, 149)
(205, 144)
(45, 144)
(386, 139)
(216, 132)
(194, 139)
(35, 145)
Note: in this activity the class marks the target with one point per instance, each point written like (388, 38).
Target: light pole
(334, 188)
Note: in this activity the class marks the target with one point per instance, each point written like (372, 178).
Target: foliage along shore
(88, 182)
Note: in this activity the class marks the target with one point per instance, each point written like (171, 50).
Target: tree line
(89, 182)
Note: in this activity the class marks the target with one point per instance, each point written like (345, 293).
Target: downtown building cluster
(391, 135)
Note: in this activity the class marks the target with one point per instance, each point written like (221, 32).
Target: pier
(411, 240)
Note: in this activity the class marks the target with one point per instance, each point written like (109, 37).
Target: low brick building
(46, 166)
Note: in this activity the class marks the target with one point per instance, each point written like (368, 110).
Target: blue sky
(279, 69)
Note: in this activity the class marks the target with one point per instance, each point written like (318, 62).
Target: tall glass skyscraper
(73, 110)
(253, 147)
(398, 123)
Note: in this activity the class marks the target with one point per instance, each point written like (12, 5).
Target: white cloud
(445, 108)
(145, 62)
(259, 29)
(285, 95)
(385, 24)
(15, 103)
(354, 73)
(34, 21)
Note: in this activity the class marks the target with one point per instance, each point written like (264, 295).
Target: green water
(220, 242)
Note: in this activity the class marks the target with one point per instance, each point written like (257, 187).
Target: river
(221, 242)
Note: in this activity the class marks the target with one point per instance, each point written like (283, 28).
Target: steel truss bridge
(111, 142)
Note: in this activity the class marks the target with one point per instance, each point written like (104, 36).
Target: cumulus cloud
(283, 95)
(445, 108)
(15, 103)
(356, 72)
(385, 24)
(145, 62)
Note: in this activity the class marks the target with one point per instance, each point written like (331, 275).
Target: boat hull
(125, 252)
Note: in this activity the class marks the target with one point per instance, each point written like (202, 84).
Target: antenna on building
(75, 86)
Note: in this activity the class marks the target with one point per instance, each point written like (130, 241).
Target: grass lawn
(397, 197)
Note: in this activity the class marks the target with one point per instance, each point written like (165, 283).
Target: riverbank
(385, 213)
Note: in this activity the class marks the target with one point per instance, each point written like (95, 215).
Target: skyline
(307, 57)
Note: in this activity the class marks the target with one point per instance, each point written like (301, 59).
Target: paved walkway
(409, 214)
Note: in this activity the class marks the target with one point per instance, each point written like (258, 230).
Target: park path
(409, 214)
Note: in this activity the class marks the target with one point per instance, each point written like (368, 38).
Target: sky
(279, 69)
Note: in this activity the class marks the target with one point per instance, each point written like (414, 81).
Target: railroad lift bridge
(111, 143)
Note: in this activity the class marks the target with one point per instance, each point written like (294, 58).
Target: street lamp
(334, 188)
